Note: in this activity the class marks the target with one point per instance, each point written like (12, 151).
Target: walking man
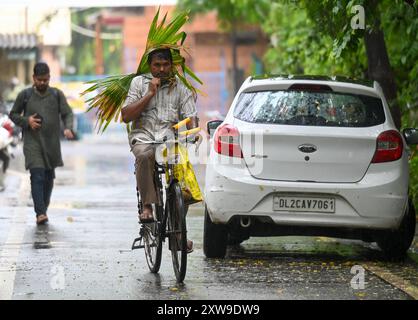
(38, 111)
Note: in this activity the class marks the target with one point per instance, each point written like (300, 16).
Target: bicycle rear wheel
(153, 242)
(177, 232)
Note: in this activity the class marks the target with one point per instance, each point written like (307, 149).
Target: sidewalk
(12, 184)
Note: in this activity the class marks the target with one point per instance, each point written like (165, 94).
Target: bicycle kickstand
(139, 246)
(138, 240)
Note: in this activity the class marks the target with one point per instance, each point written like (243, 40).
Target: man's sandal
(41, 219)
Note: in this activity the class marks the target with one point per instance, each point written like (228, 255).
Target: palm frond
(112, 91)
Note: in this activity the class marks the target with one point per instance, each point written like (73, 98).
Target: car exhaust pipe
(245, 222)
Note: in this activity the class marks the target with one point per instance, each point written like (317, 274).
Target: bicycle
(169, 213)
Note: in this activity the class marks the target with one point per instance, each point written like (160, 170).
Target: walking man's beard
(42, 88)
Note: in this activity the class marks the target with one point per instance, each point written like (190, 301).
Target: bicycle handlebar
(181, 123)
(182, 134)
(190, 132)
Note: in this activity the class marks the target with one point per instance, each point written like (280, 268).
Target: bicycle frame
(171, 207)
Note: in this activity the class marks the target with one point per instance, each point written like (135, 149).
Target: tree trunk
(99, 47)
(379, 68)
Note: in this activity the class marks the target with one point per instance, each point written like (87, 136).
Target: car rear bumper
(378, 201)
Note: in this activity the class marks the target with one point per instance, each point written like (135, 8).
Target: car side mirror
(212, 126)
(411, 136)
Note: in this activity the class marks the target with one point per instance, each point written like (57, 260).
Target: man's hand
(154, 85)
(196, 138)
(198, 141)
(68, 134)
(34, 123)
(134, 110)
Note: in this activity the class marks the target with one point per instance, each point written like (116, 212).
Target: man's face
(160, 68)
(41, 82)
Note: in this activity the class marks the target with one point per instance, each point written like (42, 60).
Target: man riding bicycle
(155, 102)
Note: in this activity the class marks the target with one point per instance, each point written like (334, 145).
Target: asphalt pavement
(85, 250)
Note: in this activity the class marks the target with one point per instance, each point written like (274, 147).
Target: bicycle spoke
(177, 232)
(153, 247)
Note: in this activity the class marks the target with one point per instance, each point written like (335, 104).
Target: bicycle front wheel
(177, 232)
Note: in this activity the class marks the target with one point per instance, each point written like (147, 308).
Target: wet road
(84, 253)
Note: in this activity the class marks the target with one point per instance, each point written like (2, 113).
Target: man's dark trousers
(42, 182)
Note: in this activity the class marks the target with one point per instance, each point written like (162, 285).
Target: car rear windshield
(307, 108)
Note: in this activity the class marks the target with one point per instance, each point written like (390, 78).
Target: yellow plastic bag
(184, 173)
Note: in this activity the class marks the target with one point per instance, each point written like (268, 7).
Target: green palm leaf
(112, 91)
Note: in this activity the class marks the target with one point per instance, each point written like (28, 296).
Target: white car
(308, 156)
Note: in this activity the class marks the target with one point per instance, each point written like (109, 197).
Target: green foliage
(401, 32)
(81, 46)
(112, 50)
(81, 53)
(333, 18)
(413, 184)
(112, 92)
(316, 37)
(399, 22)
(168, 36)
(298, 47)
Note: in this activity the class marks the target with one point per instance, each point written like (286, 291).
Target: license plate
(303, 204)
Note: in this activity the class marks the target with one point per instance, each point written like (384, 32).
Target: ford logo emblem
(307, 148)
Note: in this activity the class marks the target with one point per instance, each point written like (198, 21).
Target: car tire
(395, 244)
(215, 238)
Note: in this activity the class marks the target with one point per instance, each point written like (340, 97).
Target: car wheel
(215, 238)
(395, 244)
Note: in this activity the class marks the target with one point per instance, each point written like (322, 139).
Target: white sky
(87, 3)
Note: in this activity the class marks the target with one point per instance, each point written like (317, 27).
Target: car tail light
(227, 141)
(389, 147)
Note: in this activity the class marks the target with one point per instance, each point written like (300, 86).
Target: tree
(298, 48)
(317, 37)
(81, 53)
(335, 18)
(327, 37)
(232, 14)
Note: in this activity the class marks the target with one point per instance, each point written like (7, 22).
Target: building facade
(31, 34)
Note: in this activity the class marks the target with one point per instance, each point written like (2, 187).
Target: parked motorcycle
(8, 141)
